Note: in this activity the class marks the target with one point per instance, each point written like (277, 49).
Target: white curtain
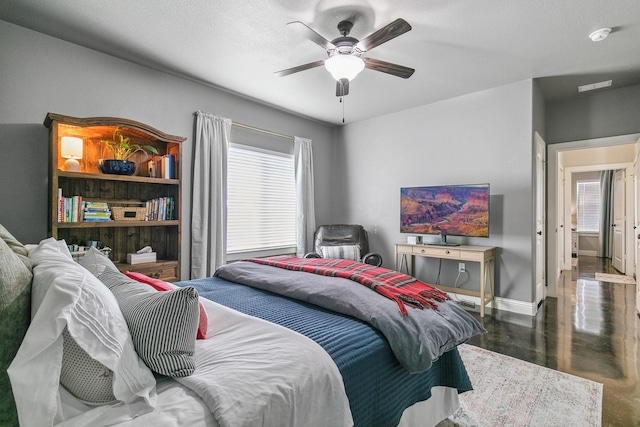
(305, 208)
(209, 195)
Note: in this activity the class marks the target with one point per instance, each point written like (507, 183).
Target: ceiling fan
(345, 59)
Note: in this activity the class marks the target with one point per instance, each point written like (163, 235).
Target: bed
(267, 359)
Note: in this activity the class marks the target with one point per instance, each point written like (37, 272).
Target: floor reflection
(589, 330)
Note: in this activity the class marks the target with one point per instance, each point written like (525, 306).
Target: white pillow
(97, 262)
(66, 295)
(351, 252)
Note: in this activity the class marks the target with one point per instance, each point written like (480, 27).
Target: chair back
(341, 234)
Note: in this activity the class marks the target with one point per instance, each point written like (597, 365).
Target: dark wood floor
(590, 330)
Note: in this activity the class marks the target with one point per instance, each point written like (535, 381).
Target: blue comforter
(378, 387)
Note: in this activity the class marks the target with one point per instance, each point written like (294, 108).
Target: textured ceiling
(456, 46)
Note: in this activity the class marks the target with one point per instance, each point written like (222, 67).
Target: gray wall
(40, 74)
(481, 137)
(477, 138)
(596, 115)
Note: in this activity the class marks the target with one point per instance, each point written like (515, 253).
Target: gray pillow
(15, 315)
(86, 378)
(163, 325)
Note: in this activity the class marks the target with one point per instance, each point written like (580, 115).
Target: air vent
(593, 86)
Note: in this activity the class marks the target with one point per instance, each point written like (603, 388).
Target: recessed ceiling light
(593, 86)
(599, 35)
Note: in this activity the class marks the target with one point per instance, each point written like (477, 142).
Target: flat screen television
(447, 210)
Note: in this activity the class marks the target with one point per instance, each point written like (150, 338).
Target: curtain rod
(255, 129)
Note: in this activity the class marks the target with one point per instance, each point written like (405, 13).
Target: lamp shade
(71, 148)
(344, 66)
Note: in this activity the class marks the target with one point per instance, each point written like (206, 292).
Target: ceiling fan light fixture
(344, 66)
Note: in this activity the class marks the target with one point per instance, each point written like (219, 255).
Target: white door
(540, 218)
(618, 255)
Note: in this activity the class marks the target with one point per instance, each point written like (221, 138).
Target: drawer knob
(447, 252)
(422, 250)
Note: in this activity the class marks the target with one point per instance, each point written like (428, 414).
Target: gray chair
(336, 239)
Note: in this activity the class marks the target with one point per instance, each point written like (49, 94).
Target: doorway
(565, 158)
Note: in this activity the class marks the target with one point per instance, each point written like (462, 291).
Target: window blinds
(261, 200)
(588, 206)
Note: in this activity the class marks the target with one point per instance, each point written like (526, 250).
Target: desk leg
(492, 267)
(483, 283)
(403, 261)
(395, 258)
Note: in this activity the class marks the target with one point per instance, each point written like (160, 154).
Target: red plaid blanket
(399, 287)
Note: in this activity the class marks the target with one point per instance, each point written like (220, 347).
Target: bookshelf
(122, 236)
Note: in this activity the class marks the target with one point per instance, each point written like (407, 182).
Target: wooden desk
(484, 255)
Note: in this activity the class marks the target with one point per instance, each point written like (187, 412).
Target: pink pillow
(161, 285)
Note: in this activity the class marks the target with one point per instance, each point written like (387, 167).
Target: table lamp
(71, 150)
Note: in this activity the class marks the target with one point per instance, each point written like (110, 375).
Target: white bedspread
(251, 372)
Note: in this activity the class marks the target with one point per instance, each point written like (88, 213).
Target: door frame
(553, 162)
(540, 213)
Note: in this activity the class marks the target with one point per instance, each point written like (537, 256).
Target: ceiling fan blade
(303, 67)
(312, 35)
(384, 34)
(388, 67)
(342, 87)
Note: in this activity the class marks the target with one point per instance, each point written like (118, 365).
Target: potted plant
(122, 149)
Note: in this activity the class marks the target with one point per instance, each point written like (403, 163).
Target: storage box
(130, 213)
(134, 259)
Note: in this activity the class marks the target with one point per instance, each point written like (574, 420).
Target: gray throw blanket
(417, 340)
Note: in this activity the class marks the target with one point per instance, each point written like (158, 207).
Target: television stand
(483, 255)
(443, 242)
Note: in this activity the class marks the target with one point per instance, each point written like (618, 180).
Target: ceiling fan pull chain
(342, 102)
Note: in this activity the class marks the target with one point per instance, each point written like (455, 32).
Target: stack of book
(161, 209)
(69, 208)
(96, 212)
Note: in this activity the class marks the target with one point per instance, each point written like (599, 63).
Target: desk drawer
(404, 249)
(437, 252)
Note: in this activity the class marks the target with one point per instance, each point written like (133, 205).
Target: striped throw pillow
(163, 325)
(351, 252)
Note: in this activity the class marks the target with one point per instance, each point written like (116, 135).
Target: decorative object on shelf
(168, 166)
(122, 150)
(129, 213)
(71, 149)
(116, 167)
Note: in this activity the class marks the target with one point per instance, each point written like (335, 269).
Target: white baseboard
(503, 304)
(587, 253)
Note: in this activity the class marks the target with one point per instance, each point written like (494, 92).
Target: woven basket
(128, 213)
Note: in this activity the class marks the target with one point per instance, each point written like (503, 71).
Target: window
(261, 201)
(588, 206)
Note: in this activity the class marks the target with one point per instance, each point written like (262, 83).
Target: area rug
(615, 278)
(512, 392)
